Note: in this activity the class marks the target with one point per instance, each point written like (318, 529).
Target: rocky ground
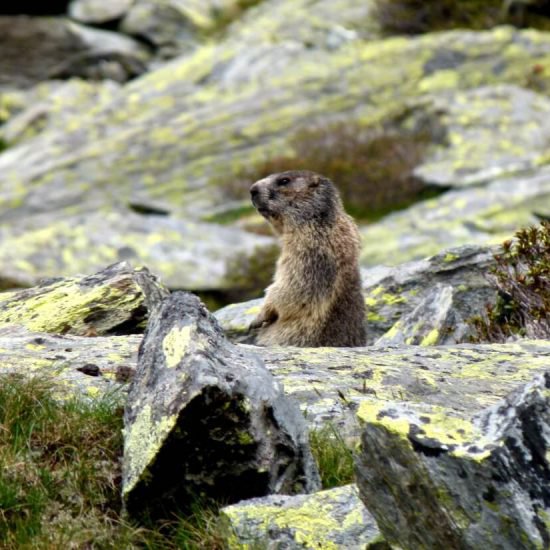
(125, 131)
(466, 423)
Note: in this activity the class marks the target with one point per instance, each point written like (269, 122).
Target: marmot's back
(315, 299)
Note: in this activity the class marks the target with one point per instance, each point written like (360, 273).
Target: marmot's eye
(283, 181)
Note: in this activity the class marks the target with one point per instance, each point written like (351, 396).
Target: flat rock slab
(331, 383)
(460, 481)
(190, 255)
(485, 215)
(206, 418)
(113, 301)
(336, 518)
(491, 132)
(77, 366)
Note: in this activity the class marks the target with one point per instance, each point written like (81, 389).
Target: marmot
(315, 298)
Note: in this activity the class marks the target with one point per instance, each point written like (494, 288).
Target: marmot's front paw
(264, 319)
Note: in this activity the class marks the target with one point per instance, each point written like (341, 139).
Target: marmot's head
(294, 198)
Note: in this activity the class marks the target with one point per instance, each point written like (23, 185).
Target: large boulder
(431, 301)
(197, 256)
(434, 478)
(41, 48)
(115, 300)
(205, 418)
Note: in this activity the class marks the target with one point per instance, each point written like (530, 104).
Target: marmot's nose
(254, 192)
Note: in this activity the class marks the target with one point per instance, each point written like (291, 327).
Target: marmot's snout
(259, 198)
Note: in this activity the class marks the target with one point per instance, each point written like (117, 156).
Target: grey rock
(51, 105)
(332, 383)
(490, 133)
(204, 417)
(460, 482)
(41, 48)
(98, 11)
(481, 215)
(115, 300)
(77, 366)
(335, 518)
(430, 301)
(195, 256)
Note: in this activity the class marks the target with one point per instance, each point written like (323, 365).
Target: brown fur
(315, 298)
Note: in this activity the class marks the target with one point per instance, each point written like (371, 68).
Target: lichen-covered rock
(319, 24)
(330, 519)
(167, 137)
(189, 255)
(480, 215)
(177, 135)
(98, 11)
(427, 302)
(331, 383)
(205, 417)
(115, 300)
(50, 105)
(178, 26)
(42, 48)
(490, 132)
(437, 479)
(77, 366)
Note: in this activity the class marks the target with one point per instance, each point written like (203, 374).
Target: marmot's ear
(315, 181)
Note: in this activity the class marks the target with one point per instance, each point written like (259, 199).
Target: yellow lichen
(431, 338)
(143, 439)
(175, 345)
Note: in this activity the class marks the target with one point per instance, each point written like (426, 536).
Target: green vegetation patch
(522, 278)
(333, 455)
(372, 168)
(418, 16)
(60, 477)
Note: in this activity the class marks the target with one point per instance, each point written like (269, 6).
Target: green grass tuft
(333, 456)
